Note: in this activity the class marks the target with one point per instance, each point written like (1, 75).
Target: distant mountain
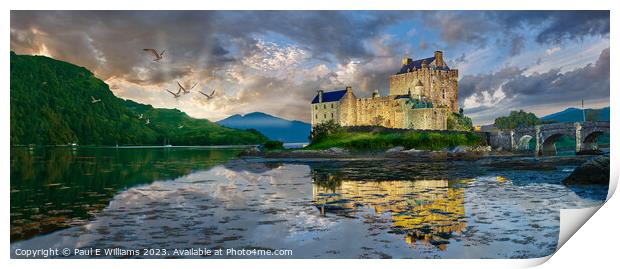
(575, 114)
(56, 103)
(273, 127)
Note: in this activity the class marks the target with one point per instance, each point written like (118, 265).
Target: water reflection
(318, 209)
(57, 187)
(427, 212)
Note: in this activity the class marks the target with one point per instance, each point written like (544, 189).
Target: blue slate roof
(330, 96)
(418, 64)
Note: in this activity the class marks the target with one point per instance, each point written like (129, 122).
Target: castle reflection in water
(427, 213)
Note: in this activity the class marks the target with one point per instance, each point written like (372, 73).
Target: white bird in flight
(141, 116)
(176, 95)
(158, 56)
(148, 121)
(93, 100)
(185, 91)
(209, 96)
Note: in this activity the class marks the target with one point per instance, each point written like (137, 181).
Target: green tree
(322, 130)
(517, 119)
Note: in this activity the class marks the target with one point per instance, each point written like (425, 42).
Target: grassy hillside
(179, 129)
(51, 105)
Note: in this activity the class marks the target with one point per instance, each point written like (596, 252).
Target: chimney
(320, 96)
(375, 94)
(349, 89)
(439, 58)
(407, 61)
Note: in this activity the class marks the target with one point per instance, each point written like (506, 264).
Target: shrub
(459, 122)
(273, 145)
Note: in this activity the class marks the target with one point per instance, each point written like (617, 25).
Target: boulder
(466, 149)
(395, 149)
(336, 150)
(460, 149)
(413, 151)
(593, 172)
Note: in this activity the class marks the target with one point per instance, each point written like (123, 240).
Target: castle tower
(431, 78)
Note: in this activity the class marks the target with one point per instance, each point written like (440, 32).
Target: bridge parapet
(584, 134)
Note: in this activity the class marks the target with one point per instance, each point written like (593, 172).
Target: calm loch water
(362, 208)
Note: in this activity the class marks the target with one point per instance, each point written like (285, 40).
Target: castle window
(325, 116)
(332, 105)
(332, 115)
(316, 116)
(324, 106)
(443, 92)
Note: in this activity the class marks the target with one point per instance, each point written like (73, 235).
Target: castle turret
(418, 89)
(439, 58)
(320, 96)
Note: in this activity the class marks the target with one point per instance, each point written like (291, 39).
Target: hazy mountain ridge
(273, 127)
(575, 114)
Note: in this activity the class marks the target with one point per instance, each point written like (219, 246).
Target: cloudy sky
(274, 61)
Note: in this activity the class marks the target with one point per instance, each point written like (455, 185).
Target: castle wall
(379, 111)
(383, 111)
(325, 111)
(348, 108)
(427, 118)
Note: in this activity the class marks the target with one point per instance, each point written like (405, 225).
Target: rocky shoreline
(460, 152)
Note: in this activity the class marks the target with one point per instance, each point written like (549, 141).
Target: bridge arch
(590, 140)
(548, 147)
(524, 142)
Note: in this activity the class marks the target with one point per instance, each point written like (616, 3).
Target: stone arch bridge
(584, 134)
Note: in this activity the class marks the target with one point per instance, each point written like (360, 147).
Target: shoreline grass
(422, 140)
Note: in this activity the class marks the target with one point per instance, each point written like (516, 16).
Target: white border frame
(593, 246)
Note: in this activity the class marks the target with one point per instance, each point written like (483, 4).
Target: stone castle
(422, 94)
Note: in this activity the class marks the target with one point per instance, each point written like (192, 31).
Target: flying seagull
(176, 95)
(180, 126)
(209, 96)
(158, 56)
(141, 116)
(185, 91)
(93, 100)
(148, 121)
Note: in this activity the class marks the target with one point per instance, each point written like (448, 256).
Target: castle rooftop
(329, 96)
(409, 64)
